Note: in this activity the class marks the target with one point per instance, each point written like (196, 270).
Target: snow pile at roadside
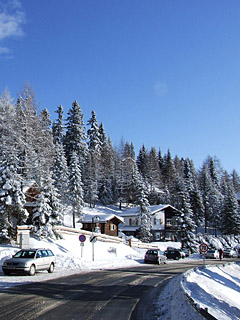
(173, 304)
(216, 288)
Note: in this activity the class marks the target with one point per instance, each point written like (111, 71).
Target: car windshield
(27, 254)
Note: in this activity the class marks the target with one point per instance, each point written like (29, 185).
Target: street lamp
(95, 220)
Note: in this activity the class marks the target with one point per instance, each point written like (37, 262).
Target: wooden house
(102, 223)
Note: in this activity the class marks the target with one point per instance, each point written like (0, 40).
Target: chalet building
(106, 224)
(166, 222)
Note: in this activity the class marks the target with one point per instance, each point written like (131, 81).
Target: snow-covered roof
(88, 218)
(153, 209)
(127, 228)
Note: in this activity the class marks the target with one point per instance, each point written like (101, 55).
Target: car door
(45, 259)
(39, 260)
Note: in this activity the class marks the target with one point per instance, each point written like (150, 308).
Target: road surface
(119, 294)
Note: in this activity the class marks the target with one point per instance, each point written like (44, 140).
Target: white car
(29, 261)
(229, 253)
(212, 254)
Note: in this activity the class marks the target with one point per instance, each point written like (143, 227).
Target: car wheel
(177, 258)
(32, 270)
(51, 268)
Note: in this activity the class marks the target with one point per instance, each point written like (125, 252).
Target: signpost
(203, 248)
(82, 239)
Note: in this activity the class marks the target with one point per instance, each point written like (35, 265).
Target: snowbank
(216, 288)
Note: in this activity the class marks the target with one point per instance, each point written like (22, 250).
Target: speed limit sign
(203, 247)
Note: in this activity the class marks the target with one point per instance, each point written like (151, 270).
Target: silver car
(212, 254)
(155, 256)
(29, 261)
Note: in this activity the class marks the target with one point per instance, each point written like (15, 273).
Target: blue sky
(159, 72)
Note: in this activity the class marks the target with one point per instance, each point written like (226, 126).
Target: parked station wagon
(155, 256)
(29, 261)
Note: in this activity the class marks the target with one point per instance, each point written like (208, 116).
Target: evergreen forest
(72, 163)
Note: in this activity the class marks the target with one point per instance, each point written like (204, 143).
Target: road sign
(203, 247)
(82, 238)
(93, 239)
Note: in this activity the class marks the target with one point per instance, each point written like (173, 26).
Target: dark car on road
(173, 253)
(155, 256)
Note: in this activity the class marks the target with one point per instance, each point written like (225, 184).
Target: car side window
(44, 253)
(39, 254)
(50, 253)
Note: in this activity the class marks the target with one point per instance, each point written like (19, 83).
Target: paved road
(110, 294)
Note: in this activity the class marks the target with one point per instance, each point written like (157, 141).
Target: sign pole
(203, 248)
(82, 239)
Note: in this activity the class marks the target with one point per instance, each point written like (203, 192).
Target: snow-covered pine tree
(58, 126)
(44, 142)
(169, 174)
(211, 194)
(75, 188)
(106, 173)
(160, 161)
(154, 175)
(7, 115)
(191, 184)
(75, 138)
(236, 181)
(90, 183)
(61, 174)
(144, 232)
(125, 169)
(47, 210)
(230, 222)
(26, 131)
(102, 134)
(181, 201)
(142, 162)
(94, 159)
(12, 199)
(94, 136)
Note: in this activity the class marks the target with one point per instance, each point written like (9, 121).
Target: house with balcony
(166, 222)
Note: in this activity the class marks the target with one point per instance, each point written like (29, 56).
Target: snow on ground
(217, 288)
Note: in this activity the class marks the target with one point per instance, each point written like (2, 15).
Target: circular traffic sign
(203, 247)
(82, 238)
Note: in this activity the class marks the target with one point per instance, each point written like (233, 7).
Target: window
(111, 227)
(130, 221)
(157, 236)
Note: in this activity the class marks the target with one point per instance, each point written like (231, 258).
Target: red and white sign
(203, 247)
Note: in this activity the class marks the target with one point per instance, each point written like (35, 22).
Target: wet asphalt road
(119, 294)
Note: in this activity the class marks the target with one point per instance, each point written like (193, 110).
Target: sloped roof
(131, 212)
(103, 218)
